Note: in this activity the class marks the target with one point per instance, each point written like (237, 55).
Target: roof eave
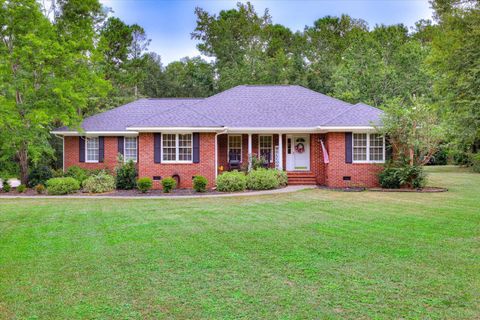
(94, 133)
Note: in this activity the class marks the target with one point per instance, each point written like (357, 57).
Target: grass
(311, 254)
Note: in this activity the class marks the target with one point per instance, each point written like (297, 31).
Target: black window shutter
(196, 147)
(120, 145)
(157, 147)
(348, 147)
(81, 149)
(101, 149)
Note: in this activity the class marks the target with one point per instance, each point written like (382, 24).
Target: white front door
(298, 153)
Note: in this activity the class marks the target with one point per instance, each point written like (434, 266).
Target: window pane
(235, 148)
(185, 147)
(359, 147)
(169, 147)
(92, 149)
(265, 146)
(376, 147)
(130, 145)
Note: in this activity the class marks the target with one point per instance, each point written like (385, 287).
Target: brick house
(315, 138)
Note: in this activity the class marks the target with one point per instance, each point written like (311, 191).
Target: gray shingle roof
(264, 106)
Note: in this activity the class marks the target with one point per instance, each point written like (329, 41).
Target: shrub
(282, 178)
(99, 183)
(39, 175)
(475, 159)
(200, 183)
(40, 188)
(404, 175)
(6, 185)
(144, 184)
(168, 184)
(388, 178)
(21, 188)
(258, 162)
(59, 186)
(57, 173)
(262, 179)
(126, 175)
(231, 181)
(77, 173)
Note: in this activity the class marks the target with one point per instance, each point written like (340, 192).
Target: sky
(169, 23)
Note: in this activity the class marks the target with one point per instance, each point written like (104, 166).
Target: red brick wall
(72, 154)
(330, 175)
(206, 167)
(316, 158)
(362, 174)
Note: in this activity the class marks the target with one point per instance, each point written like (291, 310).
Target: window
(130, 148)
(92, 149)
(235, 148)
(177, 147)
(368, 147)
(265, 147)
(185, 147)
(376, 147)
(359, 147)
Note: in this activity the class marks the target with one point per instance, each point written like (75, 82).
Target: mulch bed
(425, 190)
(348, 189)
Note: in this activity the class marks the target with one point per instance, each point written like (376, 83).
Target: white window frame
(271, 146)
(125, 149)
(177, 148)
(86, 150)
(368, 149)
(241, 146)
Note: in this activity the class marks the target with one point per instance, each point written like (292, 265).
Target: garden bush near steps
(262, 179)
(231, 181)
(60, 186)
(99, 183)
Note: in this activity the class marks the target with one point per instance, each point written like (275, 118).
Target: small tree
(414, 132)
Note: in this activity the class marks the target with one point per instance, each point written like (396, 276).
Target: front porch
(300, 154)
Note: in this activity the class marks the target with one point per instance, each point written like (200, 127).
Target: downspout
(216, 151)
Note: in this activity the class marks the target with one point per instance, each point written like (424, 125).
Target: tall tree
(326, 41)
(455, 62)
(46, 76)
(383, 64)
(189, 77)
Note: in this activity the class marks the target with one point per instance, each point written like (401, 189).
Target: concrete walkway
(287, 189)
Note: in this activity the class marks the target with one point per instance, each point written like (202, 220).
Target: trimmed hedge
(6, 187)
(262, 179)
(231, 181)
(168, 184)
(144, 184)
(59, 186)
(200, 183)
(99, 183)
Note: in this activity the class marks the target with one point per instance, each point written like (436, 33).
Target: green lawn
(311, 254)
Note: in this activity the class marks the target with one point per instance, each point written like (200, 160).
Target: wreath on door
(300, 147)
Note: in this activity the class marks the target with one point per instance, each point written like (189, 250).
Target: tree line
(63, 60)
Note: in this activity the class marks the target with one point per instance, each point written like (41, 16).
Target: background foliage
(63, 60)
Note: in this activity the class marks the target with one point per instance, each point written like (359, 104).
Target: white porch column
(249, 151)
(280, 152)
